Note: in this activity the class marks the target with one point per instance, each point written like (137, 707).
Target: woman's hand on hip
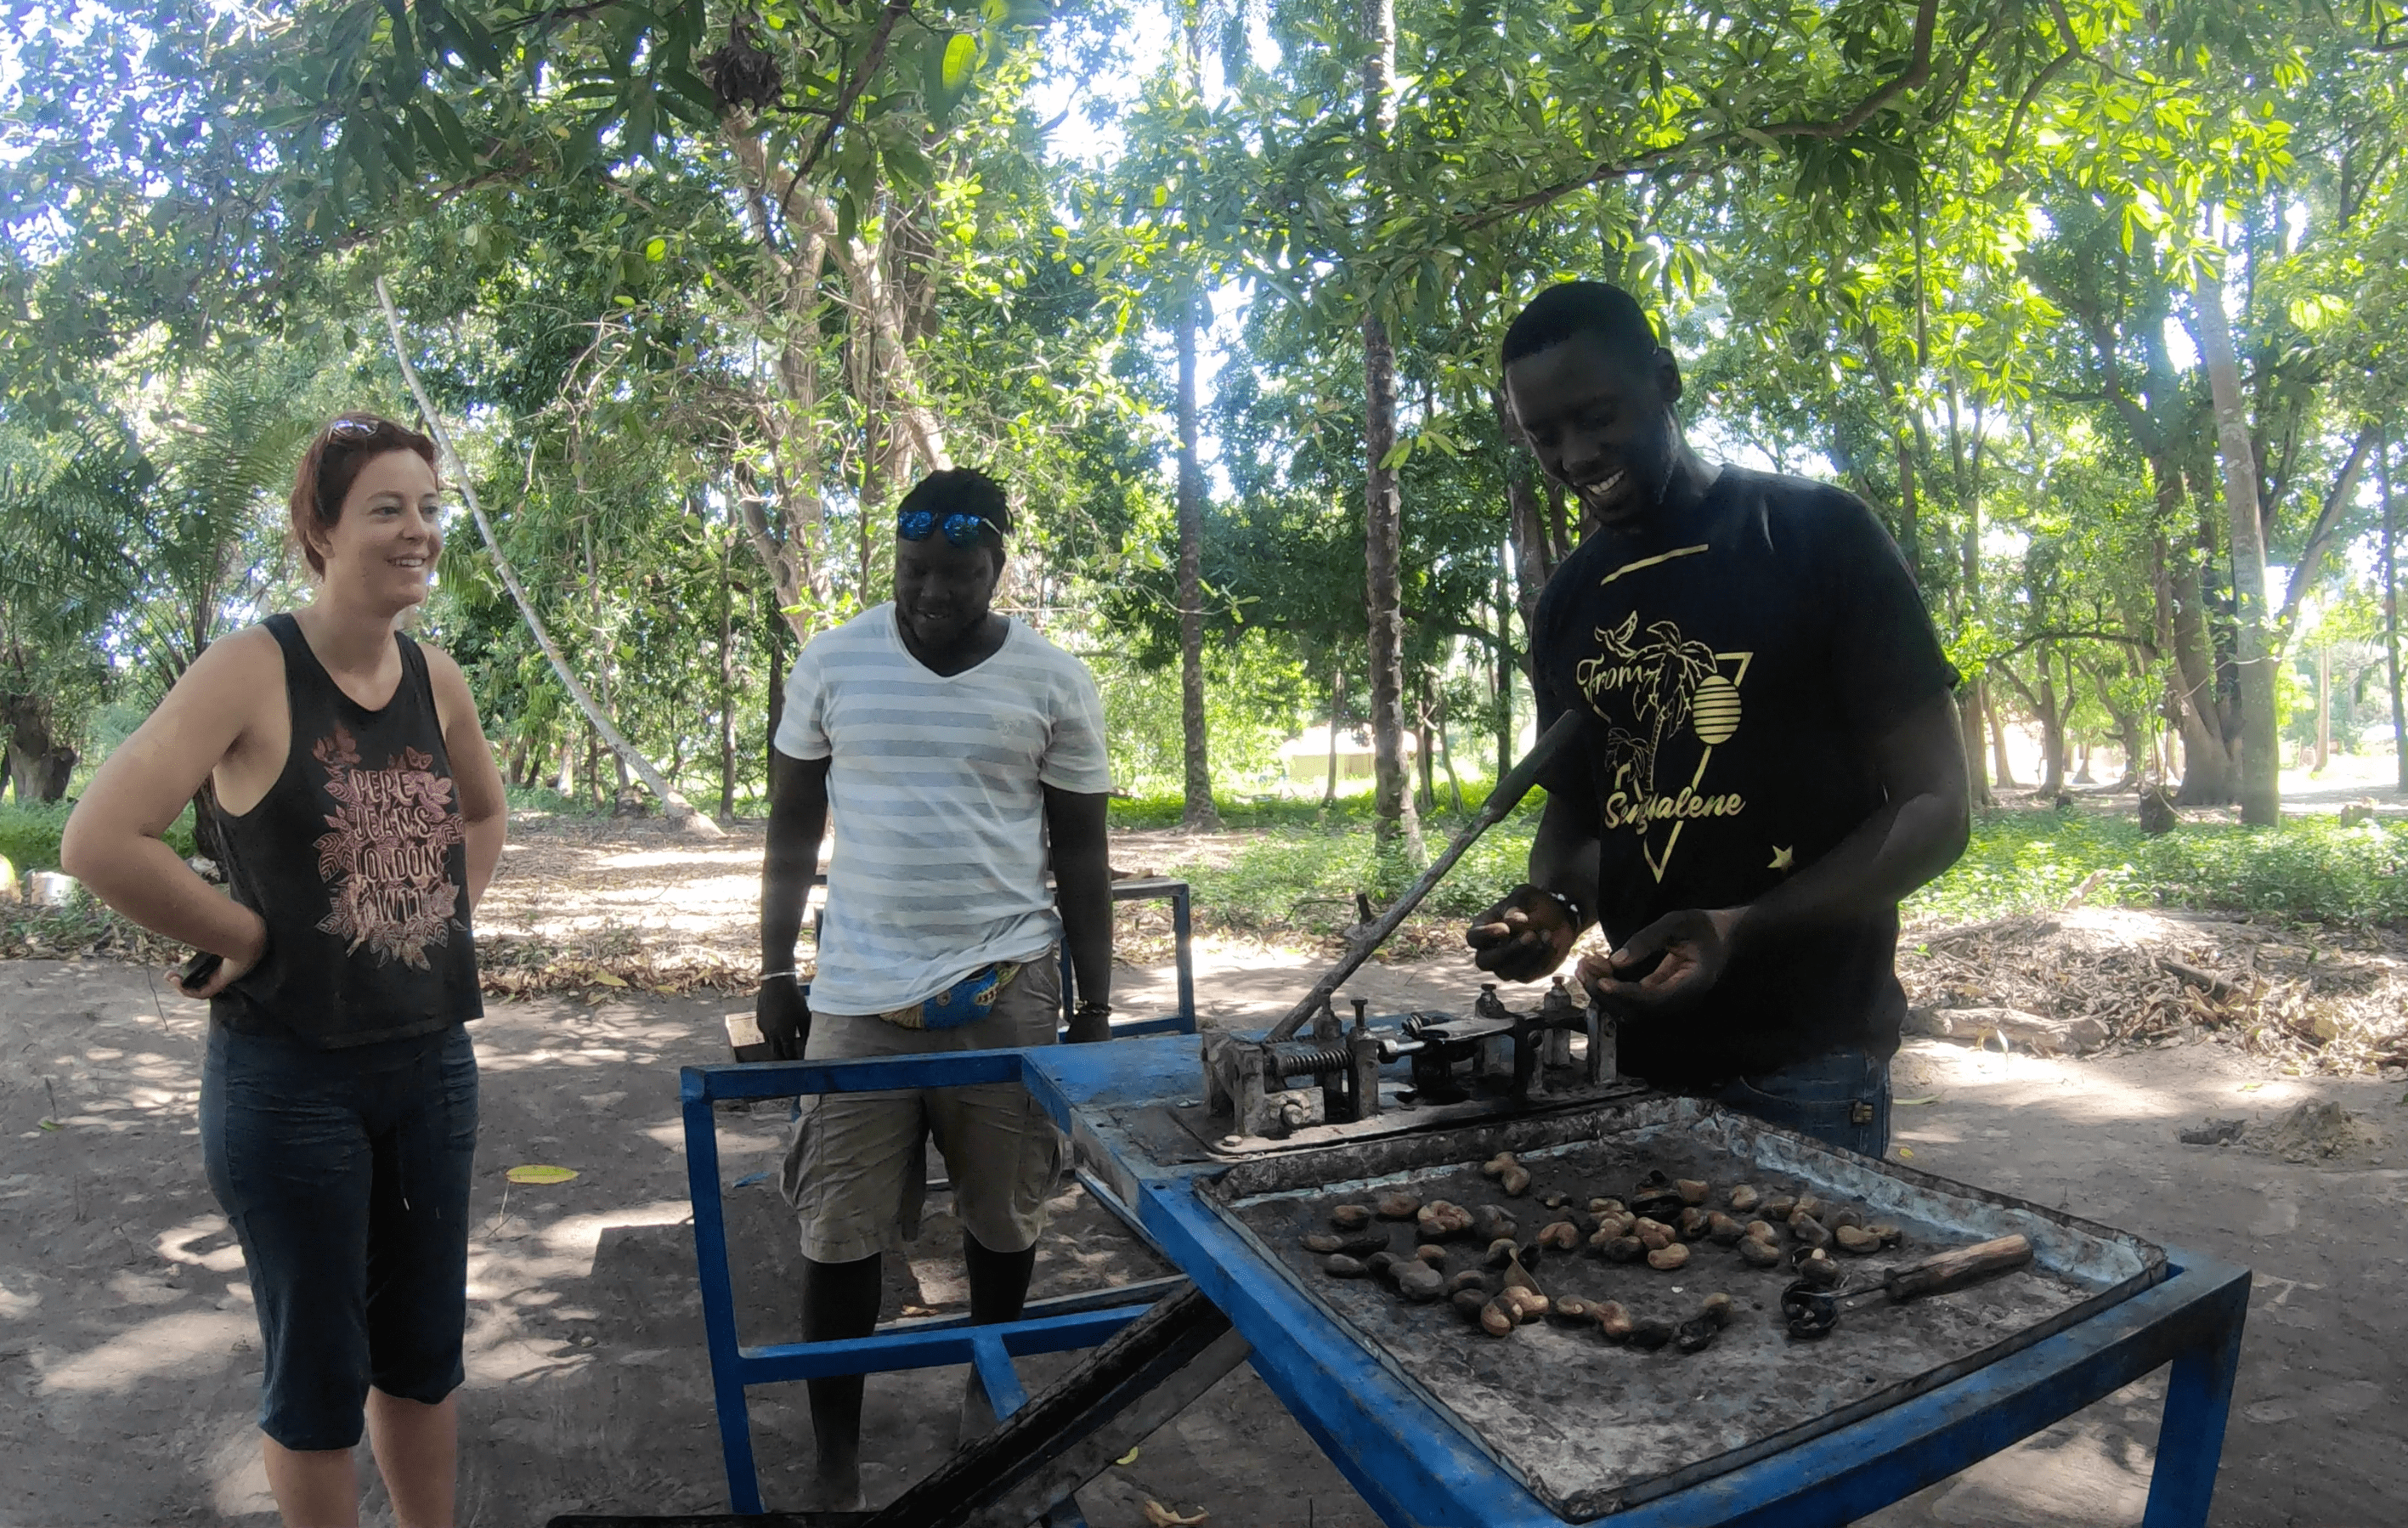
(230, 968)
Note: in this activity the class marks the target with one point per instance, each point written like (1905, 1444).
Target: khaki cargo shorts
(856, 1169)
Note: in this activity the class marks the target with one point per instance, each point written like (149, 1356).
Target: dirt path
(127, 1345)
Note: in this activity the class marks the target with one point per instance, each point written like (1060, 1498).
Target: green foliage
(29, 833)
(2307, 868)
(707, 289)
(1305, 880)
(1300, 875)
(1253, 690)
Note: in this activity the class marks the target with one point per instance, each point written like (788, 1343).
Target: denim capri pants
(345, 1174)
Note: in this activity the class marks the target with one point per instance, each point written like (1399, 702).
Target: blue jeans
(1841, 1097)
(345, 1174)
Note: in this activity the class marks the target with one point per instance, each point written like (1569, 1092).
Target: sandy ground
(128, 1349)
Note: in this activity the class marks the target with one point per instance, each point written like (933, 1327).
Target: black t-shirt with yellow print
(1736, 667)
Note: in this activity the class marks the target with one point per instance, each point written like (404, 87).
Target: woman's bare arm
(484, 807)
(113, 842)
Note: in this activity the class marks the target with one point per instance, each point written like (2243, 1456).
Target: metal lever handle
(1502, 800)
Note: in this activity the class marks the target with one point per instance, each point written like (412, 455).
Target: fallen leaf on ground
(533, 1172)
(1912, 1102)
(1906, 1154)
(1126, 1458)
(1159, 1515)
(608, 980)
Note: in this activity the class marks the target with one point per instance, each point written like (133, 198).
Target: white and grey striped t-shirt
(940, 860)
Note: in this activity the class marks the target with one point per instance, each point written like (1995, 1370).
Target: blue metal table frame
(1137, 888)
(1413, 1466)
(1050, 1326)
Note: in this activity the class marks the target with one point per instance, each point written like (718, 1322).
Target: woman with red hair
(361, 816)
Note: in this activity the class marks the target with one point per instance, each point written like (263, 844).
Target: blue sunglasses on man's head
(960, 528)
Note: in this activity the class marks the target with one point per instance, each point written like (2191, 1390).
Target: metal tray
(1591, 1428)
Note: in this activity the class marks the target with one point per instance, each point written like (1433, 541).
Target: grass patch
(29, 833)
(2023, 861)
(2307, 868)
(1164, 809)
(1299, 878)
(1303, 881)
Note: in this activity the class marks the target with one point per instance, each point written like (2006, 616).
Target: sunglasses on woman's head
(960, 528)
(350, 429)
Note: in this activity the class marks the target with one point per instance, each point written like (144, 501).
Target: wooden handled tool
(1812, 1313)
(1950, 1270)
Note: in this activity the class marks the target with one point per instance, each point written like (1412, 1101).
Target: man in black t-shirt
(1771, 760)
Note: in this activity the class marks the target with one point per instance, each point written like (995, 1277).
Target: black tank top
(357, 859)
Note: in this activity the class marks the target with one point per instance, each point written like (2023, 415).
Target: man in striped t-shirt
(953, 748)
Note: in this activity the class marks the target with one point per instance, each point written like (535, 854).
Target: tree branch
(1917, 70)
(855, 83)
(2136, 643)
(2312, 553)
(672, 803)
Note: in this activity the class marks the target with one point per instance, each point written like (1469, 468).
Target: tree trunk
(2207, 754)
(1337, 700)
(1200, 811)
(1395, 821)
(726, 689)
(39, 767)
(1446, 756)
(874, 298)
(2323, 708)
(2391, 613)
(675, 805)
(2051, 734)
(606, 647)
(1997, 740)
(1969, 551)
(2261, 791)
(1534, 560)
(1910, 514)
(1977, 752)
(1424, 751)
(791, 272)
(1502, 699)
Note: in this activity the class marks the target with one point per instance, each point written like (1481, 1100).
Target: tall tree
(1398, 823)
(2262, 787)
(680, 810)
(1198, 812)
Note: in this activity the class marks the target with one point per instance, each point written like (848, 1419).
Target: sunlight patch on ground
(177, 1245)
(15, 1306)
(237, 1475)
(190, 1342)
(2079, 1089)
(664, 858)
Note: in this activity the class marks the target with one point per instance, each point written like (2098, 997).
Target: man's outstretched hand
(1523, 937)
(785, 1015)
(1666, 966)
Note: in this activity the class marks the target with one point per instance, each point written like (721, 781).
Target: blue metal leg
(1004, 1390)
(2190, 1437)
(717, 1295)
(1179, 928)
(1056, 1325)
